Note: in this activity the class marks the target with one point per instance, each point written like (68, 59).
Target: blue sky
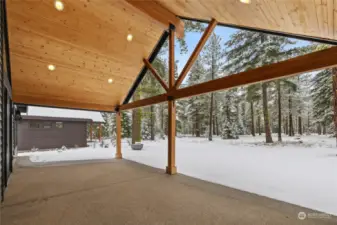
(192, 39)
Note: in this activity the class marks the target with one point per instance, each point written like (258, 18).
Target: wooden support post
(91, 131)
(171, 167)
(118, 136)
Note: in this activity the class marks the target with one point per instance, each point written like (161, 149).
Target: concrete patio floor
(123, 192)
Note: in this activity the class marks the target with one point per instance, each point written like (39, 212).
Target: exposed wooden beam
(49, 102)
(171, 134)
(118, 136)
(144, 102)
(161, 14)
(155, 74)
(196, 52)
(306, 63)
(314, 61)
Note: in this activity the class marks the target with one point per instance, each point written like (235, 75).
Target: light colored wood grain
(302, 17)
(87, 44)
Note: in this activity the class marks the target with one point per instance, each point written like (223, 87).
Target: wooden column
(171, 167)
(118, 136)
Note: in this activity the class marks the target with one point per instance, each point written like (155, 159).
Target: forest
(298, 105)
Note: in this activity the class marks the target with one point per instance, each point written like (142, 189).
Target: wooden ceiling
(87, 41)
(87, 44)
(316, 18)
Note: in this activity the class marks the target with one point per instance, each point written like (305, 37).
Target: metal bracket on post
(170, 98)
(172, 27)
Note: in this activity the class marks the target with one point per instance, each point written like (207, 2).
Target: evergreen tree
(322, 97)
(248, 50)
(212, 55)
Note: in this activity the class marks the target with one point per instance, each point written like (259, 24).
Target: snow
(299, 173)
(64, 113)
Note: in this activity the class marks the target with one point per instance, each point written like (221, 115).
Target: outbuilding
(45, 128)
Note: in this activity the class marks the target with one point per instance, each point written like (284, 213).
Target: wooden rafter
(161, 14)
(314, 61)
(196, 52)
(155, 74)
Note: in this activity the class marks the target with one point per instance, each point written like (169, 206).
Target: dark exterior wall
(72, 134)
(6, 105)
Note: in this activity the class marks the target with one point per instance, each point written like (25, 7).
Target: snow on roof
(64, 113)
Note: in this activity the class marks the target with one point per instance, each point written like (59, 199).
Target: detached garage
(45, 128)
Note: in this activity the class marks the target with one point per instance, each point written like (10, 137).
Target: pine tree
(248, 50)
(322, 97)
(212, 56)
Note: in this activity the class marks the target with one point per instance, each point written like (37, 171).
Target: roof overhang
(87, 42)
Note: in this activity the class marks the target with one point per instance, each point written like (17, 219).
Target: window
(34, 125)
(46, 125)
(59, 124)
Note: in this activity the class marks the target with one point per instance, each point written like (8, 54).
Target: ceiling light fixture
(110, 80)
(245, 1)
(51, 67)
(129, 37)
(59, 5)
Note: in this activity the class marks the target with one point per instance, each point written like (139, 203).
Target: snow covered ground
(299, 171)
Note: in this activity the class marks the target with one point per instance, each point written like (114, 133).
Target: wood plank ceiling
(87, 42)
(316, 18)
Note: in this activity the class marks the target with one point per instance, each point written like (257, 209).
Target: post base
(118, 156)
(171, 170)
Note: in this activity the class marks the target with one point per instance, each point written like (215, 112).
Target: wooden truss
(306, 63)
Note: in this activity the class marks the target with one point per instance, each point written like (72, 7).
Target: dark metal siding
(71, 135)
(6, 105)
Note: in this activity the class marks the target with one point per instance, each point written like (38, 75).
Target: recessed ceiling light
(59, 5)
(129, 37)
(245, 1)
(110, 80)
(51, 67)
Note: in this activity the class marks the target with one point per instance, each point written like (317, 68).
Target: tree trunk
(252, 117)
(286, 126)
(197, 124)
(319, 130)
(152, 122)
(300, 131)
(324, 127)
(266, 114)
(210, 133)
(136, 122)
(279, 136)
(259, 124)
(291, 125)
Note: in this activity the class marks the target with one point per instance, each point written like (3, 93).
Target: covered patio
(93, 55)
(125, 192)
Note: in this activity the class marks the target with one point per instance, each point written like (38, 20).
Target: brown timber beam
(155, 74)
(314, 61)
(171, 136)
(196, 52)
(118, 136)
(144, 102)
(159, 13)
